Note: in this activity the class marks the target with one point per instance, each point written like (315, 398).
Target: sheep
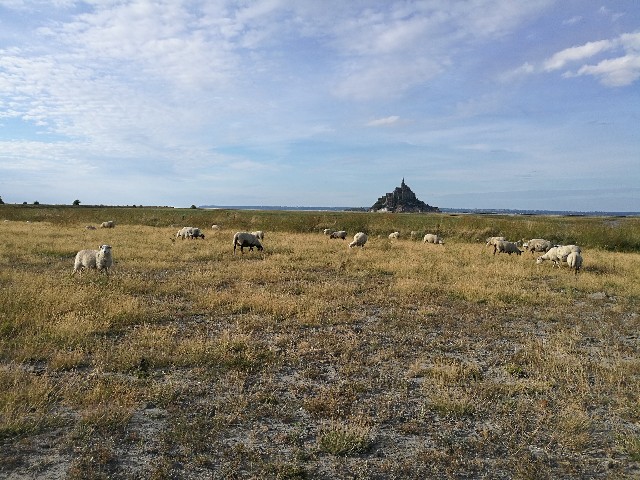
(190, 232)
(433, 238)
(537, 245)
(100, 259)
(259, 234)
(339, 234)
(494, 240)
(215, 227)
(393, 235)
(246, 239)
(108, 224)
(503, 246)
(327, 231)
(574, 260)
(558, 254)
(359, 239)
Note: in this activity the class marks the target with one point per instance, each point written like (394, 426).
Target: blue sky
(476, 104)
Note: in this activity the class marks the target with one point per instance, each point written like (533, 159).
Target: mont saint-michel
(402, 200)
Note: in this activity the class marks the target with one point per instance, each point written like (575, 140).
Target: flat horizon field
(313, 360)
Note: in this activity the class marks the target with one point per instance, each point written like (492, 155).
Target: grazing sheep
(359, 239)
(215, 227)
(503, 246)
(108, 224)
(190, 232)
(393, 235)
(339, 234)
(259, 234)
(574, 260)
(100, 259)
(493, 240)
(246, 239)
(327, 231)
(558, 254)
(537, 245)
(196, 233)
(433, 238)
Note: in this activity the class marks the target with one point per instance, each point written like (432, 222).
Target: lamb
(108, 224)
(393, 235)
(494, 240)
(574, 260)
(339, 234)
(259, 234)
(433, 238)
(537, 245)
(503, 246)
(359, 239)
(100, 259)
(246, 239)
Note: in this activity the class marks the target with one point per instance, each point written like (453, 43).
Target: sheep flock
(557, 255)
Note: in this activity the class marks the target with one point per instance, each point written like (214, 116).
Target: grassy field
(313, 360)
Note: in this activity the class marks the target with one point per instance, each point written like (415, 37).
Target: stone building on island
(402, 200)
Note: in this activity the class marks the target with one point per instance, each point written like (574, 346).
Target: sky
(475, 103)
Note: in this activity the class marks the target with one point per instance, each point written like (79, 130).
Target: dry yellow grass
(310, 359)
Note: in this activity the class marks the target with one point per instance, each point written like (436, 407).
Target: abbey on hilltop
(402, 199)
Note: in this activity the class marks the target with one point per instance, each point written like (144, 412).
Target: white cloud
(382, 122)
(617, 71)
(573, 54)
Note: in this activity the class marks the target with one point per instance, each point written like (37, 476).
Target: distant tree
(193, 206)
(76, 202)
(36, 202)
(1, 202)
(24, 203)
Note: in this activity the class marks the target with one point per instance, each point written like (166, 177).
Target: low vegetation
(312, 360)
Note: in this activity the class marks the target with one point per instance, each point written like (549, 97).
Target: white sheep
(503, 246)
(215, 227)
(359, 239)
(100, 259)
(108, 224)
(246, 239)
(339, 234)
(394, 235)
(433, 238)
(558, 254)
(537, 245)
(259, 234)
(189, 232)
(574, 260)
(491, 241)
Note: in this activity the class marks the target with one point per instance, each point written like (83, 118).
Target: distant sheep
(215, 227)
(558, 254)
(100, 259)
(259, 234)
(491, 241)
(190, 233)
(246, 239)
(359, 239)
(537, 245)
(574, 260)
(108, 224)
(394, 235)
(503, 246)
(433, 238)
(339, 234)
